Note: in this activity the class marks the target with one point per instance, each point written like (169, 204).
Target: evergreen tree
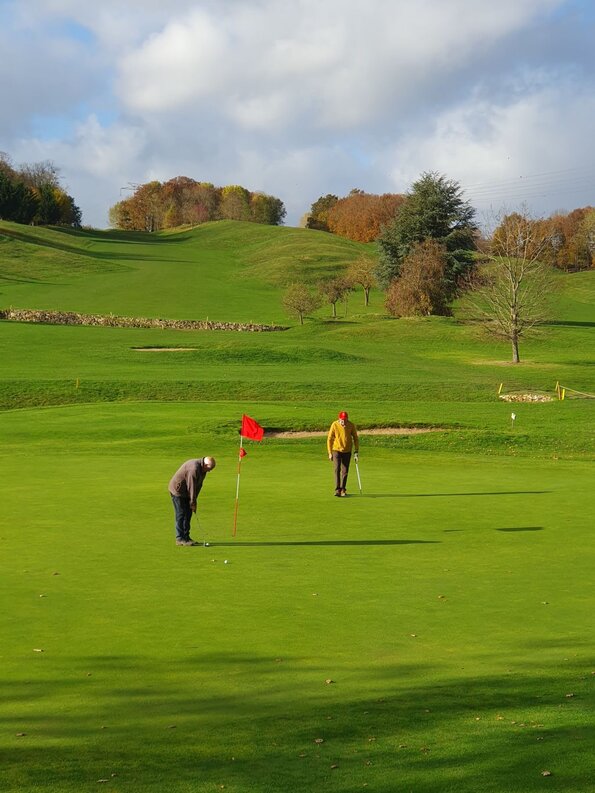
(433, 210)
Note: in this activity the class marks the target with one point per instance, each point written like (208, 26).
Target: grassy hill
(227, 271)
(235, 271)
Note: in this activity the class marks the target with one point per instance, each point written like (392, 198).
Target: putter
(359, 480)
(204, 539)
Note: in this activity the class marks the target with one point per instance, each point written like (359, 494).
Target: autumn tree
(177, 195)
(512, 291)
(434, 209)
(361, 216)
(333, 290)
(587, 232)
(266, 209)
(183, 201)
(362, 271)
(298, 301)
(318, 217)
(420, 289)
(235, 203)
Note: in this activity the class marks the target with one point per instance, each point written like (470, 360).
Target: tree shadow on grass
(37, 281)
(275, 726)
(523, 528)
(324, 542)
(517, 528)
(570, 324)
(451, 495)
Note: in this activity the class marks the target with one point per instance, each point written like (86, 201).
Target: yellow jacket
(342, 437)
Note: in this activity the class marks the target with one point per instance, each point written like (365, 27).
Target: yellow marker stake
(563, 393)
(500, 389)
(77, 383)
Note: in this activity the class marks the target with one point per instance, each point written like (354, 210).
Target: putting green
(449, 606)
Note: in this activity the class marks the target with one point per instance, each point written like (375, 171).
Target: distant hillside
(225, 270)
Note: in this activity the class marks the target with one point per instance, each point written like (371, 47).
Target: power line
(531, 176)
(579, 181)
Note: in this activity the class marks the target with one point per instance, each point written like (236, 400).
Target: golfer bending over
(342, 436)
(184, 487)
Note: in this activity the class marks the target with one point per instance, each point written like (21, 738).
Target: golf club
(359, 480)
(204, 539)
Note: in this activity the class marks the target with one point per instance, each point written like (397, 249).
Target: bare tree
(361, 271)
(333, 290)
(38, 174)
(512, 291)
(298, 301)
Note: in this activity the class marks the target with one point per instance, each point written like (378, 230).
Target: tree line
(32, 194)
(431, 251)
(366, 217)
(183, 201)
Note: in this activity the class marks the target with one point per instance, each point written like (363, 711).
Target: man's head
(208, 463)
(343, 416)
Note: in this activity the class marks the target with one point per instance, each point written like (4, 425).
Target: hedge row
(73, 318)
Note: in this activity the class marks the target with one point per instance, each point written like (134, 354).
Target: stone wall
(110, 321)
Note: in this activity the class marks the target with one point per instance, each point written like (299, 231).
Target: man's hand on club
(356, 457)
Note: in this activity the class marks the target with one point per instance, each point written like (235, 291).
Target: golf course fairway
(433, 633)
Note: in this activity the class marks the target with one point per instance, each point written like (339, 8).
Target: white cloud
(296, 97)
(344, 64)
(526, 150)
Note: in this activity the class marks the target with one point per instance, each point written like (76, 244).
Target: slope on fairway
(226, 271)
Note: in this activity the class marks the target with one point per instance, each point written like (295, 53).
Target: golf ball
(207, 543)
(225, 562)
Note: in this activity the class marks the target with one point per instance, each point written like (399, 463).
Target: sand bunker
(375, 431)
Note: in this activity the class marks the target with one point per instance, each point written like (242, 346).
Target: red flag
(251, 429)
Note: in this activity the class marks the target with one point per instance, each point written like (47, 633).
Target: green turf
(224, 271)
(450, 604)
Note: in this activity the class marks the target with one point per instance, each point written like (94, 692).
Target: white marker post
(512, 420)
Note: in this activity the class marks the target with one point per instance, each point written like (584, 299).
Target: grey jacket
(187, 480)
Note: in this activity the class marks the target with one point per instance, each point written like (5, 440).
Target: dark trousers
(183, 515)
(341, 462)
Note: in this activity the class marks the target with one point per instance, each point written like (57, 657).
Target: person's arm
(329, 441)
(191, 485)
(355, 439)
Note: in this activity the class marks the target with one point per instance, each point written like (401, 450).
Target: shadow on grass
(130, 238)
(451, 495)
(518, 528)
(570, 324)
(325, 542)
(523, 528)
(264, 724)
(38, 281)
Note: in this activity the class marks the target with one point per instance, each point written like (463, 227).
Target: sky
(300, 98)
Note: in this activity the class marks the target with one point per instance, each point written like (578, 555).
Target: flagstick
(235, 515)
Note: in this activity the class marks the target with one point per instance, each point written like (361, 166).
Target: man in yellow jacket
(342, 437)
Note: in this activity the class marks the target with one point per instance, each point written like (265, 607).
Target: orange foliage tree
(568, 246)
(360, 216)
(421, 288)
